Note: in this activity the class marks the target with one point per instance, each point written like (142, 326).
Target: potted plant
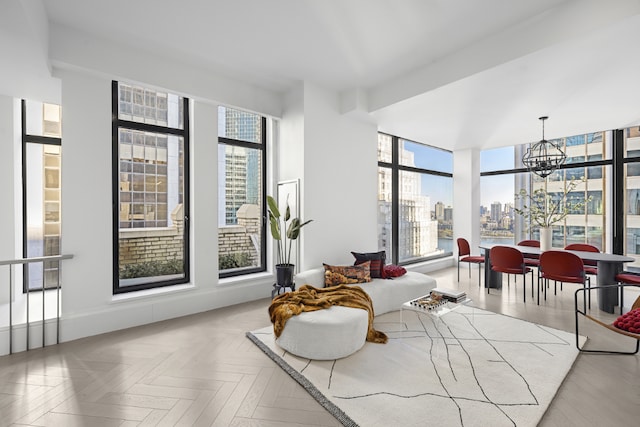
(543, 209)
(284, 231)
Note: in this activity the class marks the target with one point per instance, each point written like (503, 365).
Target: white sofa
(387, 294)
(340, 331)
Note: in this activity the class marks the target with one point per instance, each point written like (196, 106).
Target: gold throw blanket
(308, 298)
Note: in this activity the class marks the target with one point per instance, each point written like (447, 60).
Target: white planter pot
(545, 238)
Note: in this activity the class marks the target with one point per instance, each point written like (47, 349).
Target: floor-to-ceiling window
(631, 138)
(150, 187)
(241, 190)
(41, 191)
(415, 197)
(503, 175)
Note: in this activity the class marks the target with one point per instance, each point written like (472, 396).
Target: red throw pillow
(629, 322)
(392, 270)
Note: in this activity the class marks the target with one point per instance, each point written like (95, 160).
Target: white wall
(25, 71)
(8, 118)
(88, 305)
(71, 49)
(339, 182)
(466, 197)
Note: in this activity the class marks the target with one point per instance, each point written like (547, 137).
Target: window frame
(116, 124)
(396, 167)
(27, 138)
(262, 147)
(565, 172)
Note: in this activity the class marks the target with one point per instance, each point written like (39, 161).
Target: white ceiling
(451, 73)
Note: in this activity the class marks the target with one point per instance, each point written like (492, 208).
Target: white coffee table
(437, 311)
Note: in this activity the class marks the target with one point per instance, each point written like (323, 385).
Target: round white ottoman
(326, 334)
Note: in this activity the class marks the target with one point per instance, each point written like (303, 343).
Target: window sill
(149, 293)
(247, 279)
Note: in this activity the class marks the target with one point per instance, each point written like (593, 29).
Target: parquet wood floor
(201, 370)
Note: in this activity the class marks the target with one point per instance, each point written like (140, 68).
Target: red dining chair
(590, 267)
(505, 259)
(529, 259)
(563, 267)
(464, 255)
(628, 278)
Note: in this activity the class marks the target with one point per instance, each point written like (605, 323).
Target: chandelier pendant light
(543, 157)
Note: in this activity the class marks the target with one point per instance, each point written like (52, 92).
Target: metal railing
(23, 261)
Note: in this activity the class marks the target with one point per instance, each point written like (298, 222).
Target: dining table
(609, 265)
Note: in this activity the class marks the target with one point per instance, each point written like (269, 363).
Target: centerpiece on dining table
(542, 208)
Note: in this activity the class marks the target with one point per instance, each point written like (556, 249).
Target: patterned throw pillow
(377, 262)
(348, 274)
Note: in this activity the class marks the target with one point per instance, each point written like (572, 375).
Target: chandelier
(543, 157)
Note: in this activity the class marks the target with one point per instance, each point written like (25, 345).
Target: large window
(41, 191)
(150, 188)
(415, 194)
(241, 190)
(631, 138)
(503, 175)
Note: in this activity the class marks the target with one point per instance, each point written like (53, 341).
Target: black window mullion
(186, 191)
(30, 139)
(395, 200)
(262, 149)
(116, 125)
(396, 169)
(618, 193)
(115, 187)
(263, 234)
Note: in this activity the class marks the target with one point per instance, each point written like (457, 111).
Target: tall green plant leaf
(273, 207)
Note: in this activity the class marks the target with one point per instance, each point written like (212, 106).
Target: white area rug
(468, 368)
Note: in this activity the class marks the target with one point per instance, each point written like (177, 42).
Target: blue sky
(498, 188)
(494, 188)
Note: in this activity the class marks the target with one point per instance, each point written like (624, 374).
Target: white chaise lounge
(337, 332)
